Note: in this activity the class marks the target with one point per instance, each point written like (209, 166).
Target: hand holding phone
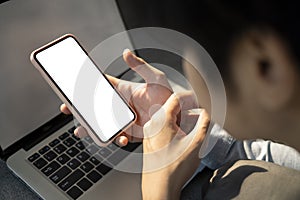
(79, 83)
(145, 98)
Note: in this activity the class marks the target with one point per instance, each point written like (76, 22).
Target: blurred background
(256, 48)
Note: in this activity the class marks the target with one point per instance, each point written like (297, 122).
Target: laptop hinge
(37, 135)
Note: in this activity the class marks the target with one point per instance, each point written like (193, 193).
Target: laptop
(36, 140)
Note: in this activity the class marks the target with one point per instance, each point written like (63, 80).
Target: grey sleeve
(227, 149)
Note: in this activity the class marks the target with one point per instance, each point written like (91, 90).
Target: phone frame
(64, 98)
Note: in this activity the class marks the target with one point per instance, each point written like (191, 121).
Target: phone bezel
(66, 100)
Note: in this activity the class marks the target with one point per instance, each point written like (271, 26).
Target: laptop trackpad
(116, 185)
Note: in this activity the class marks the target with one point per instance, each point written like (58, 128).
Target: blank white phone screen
(86, 88)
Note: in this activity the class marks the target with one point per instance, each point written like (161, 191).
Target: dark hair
(216, 23)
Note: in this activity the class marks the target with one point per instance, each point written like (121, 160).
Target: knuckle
(160, 75)
(205, 118)
(141, 60)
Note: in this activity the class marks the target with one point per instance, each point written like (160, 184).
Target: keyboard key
(50, 155)
(117, 157)
(131, 146)
(74, 192)
(50, 168)
(64, 136)
(113, 147)
(60, 174)
(54, 143)
(72, 151)
(92, 149)
(69, 142)
(83, 156)
(82, 145)
(44, 149)
(74, 163)
(103, 169)
(84, 184)
(62, 159)
(87, 167)
(94, 176)
(75, 137)
(71, 180)
(41, 162)
(33, 157)
(95, 161)
(60, 148)
(104, 152)
(89, 139)
(71, 130)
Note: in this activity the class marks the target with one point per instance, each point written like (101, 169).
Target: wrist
(158, 187)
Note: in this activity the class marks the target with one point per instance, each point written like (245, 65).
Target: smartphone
(84, 88)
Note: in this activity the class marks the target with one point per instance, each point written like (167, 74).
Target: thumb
(162, 118)
(197, 135)
(172, 108)
(132, 60)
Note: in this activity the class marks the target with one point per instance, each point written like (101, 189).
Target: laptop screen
(26, 101)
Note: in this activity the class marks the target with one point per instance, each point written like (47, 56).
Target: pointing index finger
(146, 71)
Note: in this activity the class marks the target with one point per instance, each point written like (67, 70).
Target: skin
(145, 98)
(166, 173)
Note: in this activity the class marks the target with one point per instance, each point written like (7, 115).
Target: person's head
(256, 46)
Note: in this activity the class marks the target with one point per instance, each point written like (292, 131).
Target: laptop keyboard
(75, 164)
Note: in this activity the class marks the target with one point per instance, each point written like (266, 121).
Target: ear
(263, 69)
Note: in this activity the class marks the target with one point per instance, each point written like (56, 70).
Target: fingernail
(76, 132)
(118, 142)
(126, 51)
(121, 141)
